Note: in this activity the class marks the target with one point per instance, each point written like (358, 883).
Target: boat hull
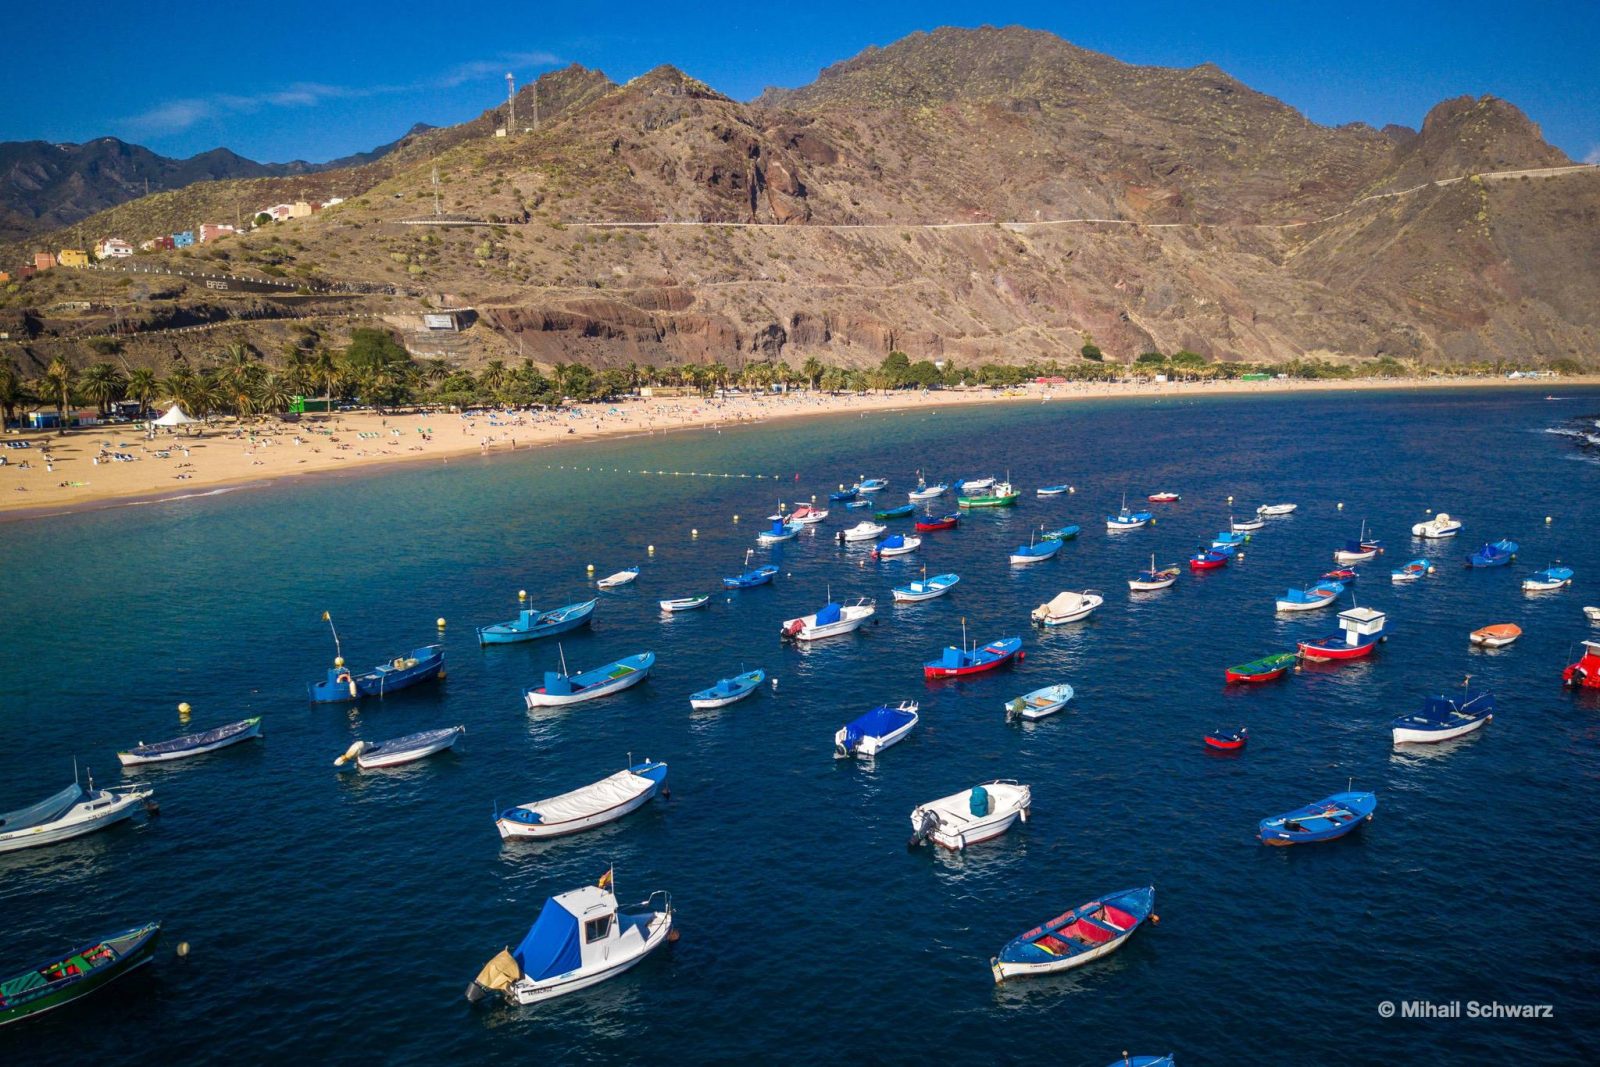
(1139, 585)
(391, 754)
(538, 698)
(515, 631)
(979, 832)
(381, 682)
(524, 992)
(1324, 650)
(67, 827)
(134, 757)
(1408, 735)
(131, 960)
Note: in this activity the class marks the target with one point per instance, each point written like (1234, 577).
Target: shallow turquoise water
(342, 915)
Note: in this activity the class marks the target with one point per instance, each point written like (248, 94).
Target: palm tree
(12, 391)
(274, 393)
(142, 386)
(59, 381)
(560, 371)
(832, 379)
(179, 386)
(102, 384)
(493, 376)
(325, 368)
(812, 368)
(435, 371)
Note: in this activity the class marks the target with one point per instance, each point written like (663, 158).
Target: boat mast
(338, 653)
(562, 652)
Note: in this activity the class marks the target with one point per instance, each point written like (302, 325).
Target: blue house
(183, 240)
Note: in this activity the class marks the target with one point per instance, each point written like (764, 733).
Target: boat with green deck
(1264, 669)
(1000, 495)
(78, 973)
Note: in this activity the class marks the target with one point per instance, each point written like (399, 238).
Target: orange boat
(1501, 633)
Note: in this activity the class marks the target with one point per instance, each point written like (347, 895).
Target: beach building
(303, 405)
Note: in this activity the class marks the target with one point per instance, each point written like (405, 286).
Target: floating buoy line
(665, 473)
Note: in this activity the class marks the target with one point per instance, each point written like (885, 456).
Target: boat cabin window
(596, 929)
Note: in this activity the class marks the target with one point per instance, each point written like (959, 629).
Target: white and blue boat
(872, 485)
(191, 744)
(1324, 820)
(1229, 539)
(1062, 533)
(1494, 554)
(857, 505)
(1412, 571)
(419, 665)
(1035, 551)
(896, 545)
(728, 691)
(1145, 1061)
(924, 491)
(1052, 490)
(1084, 934)
(586, 807)
(779, 531)
(845, 496)
(1363, 548)
(884, 725)
(925, 588)
(531, 623)
(753, 576)
(372, 755)
(1127, 520)
(685, 603)
(1443, 718)
(1547, 579)
(1310, 598)
(1040, 703)
(561, 688)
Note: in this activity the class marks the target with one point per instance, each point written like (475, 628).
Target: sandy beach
(47, 473)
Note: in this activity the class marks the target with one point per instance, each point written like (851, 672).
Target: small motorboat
(883, 726)
(845, 496)
(73, 812)
(1209, 559)
(1412, 571)
(1592, 614)
(1229, 539)
(581, 938)
(422, 665)
(1244, 526)
(1550, 578)
(974, 485)
(971, 816)
(857, 505)
(685, 603)
(929, 523)
(1324, 820)
(753, 577)
(1443, 718)
(531, 623)
(74, 974)
(1163, 498)
(806, 514)
(1080, 936)
(619, 579)
(586, 807)
(1346, 575)
(1041, 703)
(1052, 490)
(896, 545)
(191, 744)
(1154, 578)
(778, 532)
(1583, 674)
(830, 620)
(862, 531)
(872, 485)
(959, 662)
(561, 688)
(1497, 636)
(1276, 509)
(1494, 554)
(924, 491)
(1227, 740)
(1362, 630)
(1067, 607)
(373, 755)
(1127, 520)
(728, 691)
(925, 588)
(1440, 526)
(901, 512)
(1264, 669)
(1060, 533)
(1310, 598)
(1145, 1061)
(1035, 551)
(997, 495)
(1360, 550)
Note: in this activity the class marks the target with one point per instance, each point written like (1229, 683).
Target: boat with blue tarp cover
(588, 806)
(1079, 936)
(1552, 577)
(375, 755)
(728, 690)
(191, 744)
(872, 485)
(1443, 717)
(77, 973)
(830, 620)
(1494, 554)
(884, 725)
(562, 688)
(1035, 551)
(532, 624)
(896, 545)
(1324, 820)
(779, 531)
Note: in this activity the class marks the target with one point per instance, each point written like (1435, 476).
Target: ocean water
(341, 915)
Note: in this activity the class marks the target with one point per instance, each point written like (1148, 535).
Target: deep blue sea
(340, 915)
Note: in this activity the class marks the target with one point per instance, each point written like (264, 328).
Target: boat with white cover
(1246, 525)
(1068, 607)
(191, 744)
(862, 531)
(971, 816)
(1592, 614)
(1440, 526)
(372, 755)
(580, 938)
(830, 620)
(1276, 509)
(619, 579)
(70, 813)
(585, 808)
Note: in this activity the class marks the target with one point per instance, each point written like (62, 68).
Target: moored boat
(1312, 597)
(685, 603)
(192, 744)
(728, 691)
(901, 512)
(845, 496)
(1209, 559)
(1228, 740)
(779, 531)
(1079, 936)
(1412, 571)
(619, 579)
(1360, 550)
(1264, 669)
(1497, 636)
(1229, 539)
(870, 734)
(959, 662)
(73, 812)
(587, 806)
(422, 665)
(531, 623)
(924, 491)
(1544, 581)
(861, 531)
(1154, 577)
(896, 545)
(971, 816)
(1323, 820)
(928, 523)
(1240, 526)
(1443, 718)
(973, 486)
(370, 755)
(1362, 630)
(1347, 575)
(1034, 551)
(77, 973)
(1494, 554)
(830, 620)
(872, 485)
(1276, 509)
(806, 514)
(1584, 673)
(1051, 490)
(997, 495)
(753, 576)
(925, 588)
(1127, 520)
(1041, 703)
(1163, 498)
(1592, 614)
(561, 688)
(1060, 533)
(1067, 607)
(1440, 526)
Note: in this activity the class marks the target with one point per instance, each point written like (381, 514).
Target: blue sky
(313, 81)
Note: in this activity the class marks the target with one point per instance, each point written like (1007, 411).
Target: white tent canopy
(174, 417)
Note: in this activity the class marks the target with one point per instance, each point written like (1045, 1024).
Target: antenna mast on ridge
(511, 105)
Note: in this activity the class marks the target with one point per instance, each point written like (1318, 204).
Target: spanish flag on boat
(605, 879)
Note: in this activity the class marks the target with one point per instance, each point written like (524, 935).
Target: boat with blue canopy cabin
(65, 978)
(728, 690)
(958, 662)
(192, 744)
(925, 588)
(1127, 520)
(1310, 598)
(1227, 539)
(1323, 820)
(1494, 554)
(1412, 571)
(779, 531)
(561, 688)
(1552, 577)
(588, 806)
(873, 485)
(1082, 935)
(374, 755)
(1443, 717)
(1361, 631)
(878, 729)
(532, 624)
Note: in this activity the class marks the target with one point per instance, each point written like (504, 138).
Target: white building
(113, 248)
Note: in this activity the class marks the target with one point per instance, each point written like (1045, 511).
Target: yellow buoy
(522, 594)
(590, 568)
(338, 661)
(439, 622)
(736, 518)
(694, 533)
(1230, 499)
(1341, 505)
(1548, 520)
(183, 948)
(650, 549)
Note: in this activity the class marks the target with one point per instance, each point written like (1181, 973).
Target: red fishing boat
(1208, 559)
(1341, 574)
(959, 662)
(1163, 498)
(1362, 630)
(1228, 740)
(1585, 673)
(1264, 669)
(926, 523)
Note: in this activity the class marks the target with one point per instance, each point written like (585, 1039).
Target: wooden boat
(872, 485)
(901, 512)
(998, 495)
(728, 691)
(1067, 607)
(77, 973)
(1163, 498)
(531, 623)
(857, 505)
(971, 816)
(586, 807)
(619, 579)
(1039, 704)
(1324, 820)
(883, 726)
(1362, 630)
(1060, 533)
(862, 531)
(1494, 554)
(422, 665)
(1412, 571)
(1080, 936)
(845, 496)
(1360, 550)
(924, 491)
(1154, 578)
(1229, 539)
(779, 531)
(1034, 552)
(1127, 520)
(1309, 599)
(685, 603)
(1497, 636)
(1051, 490)
(830, 620)
(929, 523)
(1228, 740)
(896, 545)
(1264, 669)
(1276, 509)
(1443, 718)
(1582, 674)
(1436, 528)
(73, 812)
(960, 662)
(1241, 526)
(580, 939)
(192, 744)
(1547, 579)
(753, 577)
(370, 756)
(925, 588)
(561, 688)
(1209, 559)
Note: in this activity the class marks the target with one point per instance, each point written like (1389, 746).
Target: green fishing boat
(1264, 669)
(1000, 495)
(76, 974)
(904, 511)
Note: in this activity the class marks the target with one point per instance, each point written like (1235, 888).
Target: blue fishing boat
(857, 505)
(1412, 571)
(531, 623)
(1127, 520)
(1209, 559)
(844, 496)
(1079, 936)
(958, 662)
(779, 531)
(1494, 554)
(1443, 718)
(751, 578)
(1360, 550)
(1309, 599)
(1145, 1061)
(1547, 579)
(420, 665)
(873, 485)
(1324, 820)
(925, 588)
(728, 690)
(561, 688)
(884, 725)
(1052, 490)
(900, 512)
(1035, 552)
(1228, 539)
(1064, 533)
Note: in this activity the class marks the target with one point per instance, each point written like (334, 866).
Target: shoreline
(82, 475)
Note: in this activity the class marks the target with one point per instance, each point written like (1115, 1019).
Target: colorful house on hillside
(185, 239)
(113, 248)
(210, 231)
(43, 260)
(72, 257)
(158, 243)
(278, 212)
